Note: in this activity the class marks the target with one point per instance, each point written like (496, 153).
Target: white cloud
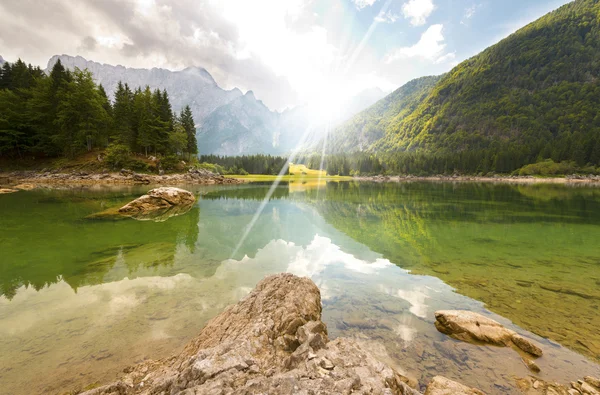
(469, 13)
(450, 56)
(429, 47)
(387, 17)
(360, 4)
(418, 11)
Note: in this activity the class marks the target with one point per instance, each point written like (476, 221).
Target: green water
(81, 299)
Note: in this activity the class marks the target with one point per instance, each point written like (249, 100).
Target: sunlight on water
(82, 299)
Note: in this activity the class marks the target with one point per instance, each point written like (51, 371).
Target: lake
(81, 298)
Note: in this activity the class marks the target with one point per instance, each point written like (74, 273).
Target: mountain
(369, 126)
(533, 95)
(193, 86)
(243, 126)
(360, 101)
(228, 122)
(246, 126)
(2, 60)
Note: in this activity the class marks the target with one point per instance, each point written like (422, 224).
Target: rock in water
(442, 386)
(271, 342)
(7, 190)
(475, 328)
(159, 204)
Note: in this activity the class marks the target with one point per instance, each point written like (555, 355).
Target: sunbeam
(322, 107)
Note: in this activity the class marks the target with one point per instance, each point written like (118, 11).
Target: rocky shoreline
(570, 179)
(124, 177)
(274, 342)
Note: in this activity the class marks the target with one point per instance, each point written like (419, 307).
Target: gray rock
(593, 381)
(476, 328)
(442, 386)
(159, 204)
(273, 341)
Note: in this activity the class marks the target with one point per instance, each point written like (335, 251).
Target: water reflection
(82, 299)
(532, 260)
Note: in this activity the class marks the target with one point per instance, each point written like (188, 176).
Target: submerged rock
(271, 342)
(442, 386)
(535, 385)
(476, 328)
(26, 187)
(159, 204)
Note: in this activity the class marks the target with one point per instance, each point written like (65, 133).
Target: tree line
(511, 159)
(252, 164)
(66, 113)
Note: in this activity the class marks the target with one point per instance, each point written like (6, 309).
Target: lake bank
(124, 177)
(573, 179)
(204, 177)
(591, 179)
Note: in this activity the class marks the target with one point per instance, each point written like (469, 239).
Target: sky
(288, 52)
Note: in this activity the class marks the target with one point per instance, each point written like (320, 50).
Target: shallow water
(81, 299)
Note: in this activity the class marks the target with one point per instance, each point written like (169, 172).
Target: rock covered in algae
(476, 328)
(271, 342)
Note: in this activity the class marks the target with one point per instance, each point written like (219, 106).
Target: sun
(327, 105)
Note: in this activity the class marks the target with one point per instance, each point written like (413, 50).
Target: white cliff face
(193, 86)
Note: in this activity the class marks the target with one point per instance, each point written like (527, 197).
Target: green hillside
(532, 96)
(372, 124)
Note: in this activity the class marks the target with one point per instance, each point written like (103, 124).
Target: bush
(169, 162)
(117, 156)
(211, 167)
(137, 165)
(549, 168)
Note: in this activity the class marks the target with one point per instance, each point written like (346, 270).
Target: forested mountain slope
(534, 95)
(371, 124)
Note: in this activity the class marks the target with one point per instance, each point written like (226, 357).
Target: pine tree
(123, 131)
(595, 155)
(6, 76)
(81, 116)
(150, 127)
(187, 120)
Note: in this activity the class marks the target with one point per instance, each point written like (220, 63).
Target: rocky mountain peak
(202, 73)
(192, 86)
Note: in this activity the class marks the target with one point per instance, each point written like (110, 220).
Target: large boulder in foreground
(271, 342)
(476, 328)
(274, 342)
(159, 204)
